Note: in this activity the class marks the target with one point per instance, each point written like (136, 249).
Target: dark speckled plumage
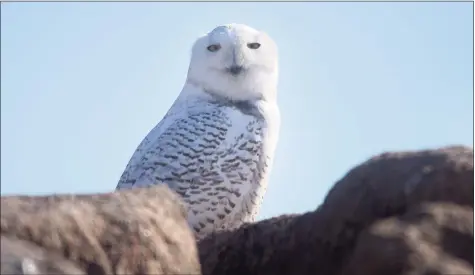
(212, 154)
(216, 144)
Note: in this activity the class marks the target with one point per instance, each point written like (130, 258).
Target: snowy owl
(215, 146)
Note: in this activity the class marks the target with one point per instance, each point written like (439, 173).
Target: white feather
(216, 144)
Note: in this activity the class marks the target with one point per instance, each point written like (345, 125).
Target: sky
(83, 83)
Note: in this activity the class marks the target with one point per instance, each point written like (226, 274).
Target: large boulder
(138, 231)
(390, 183)
(383, 192)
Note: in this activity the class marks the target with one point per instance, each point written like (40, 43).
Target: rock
(434, 238)
(281, 245)
(137, 231)
(323, 241)
(22, 257)
(389, 183)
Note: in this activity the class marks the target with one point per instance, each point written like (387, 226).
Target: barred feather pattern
(212, 153)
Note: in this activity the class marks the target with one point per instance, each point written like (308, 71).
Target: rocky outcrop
(408, 213)
(140, 231)
(364, 212)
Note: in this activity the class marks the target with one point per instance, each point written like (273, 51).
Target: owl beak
(235, 70)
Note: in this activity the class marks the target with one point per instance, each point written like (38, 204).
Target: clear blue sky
(83, 83)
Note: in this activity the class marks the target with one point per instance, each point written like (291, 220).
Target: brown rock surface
(138, 231)
(406, 213)
(386, 190)
(434, 238)
(22, 257)
(389, 183)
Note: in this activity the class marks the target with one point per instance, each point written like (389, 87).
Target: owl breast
(215, 156)
(227, 187)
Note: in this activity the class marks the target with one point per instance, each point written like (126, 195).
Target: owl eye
(214, 47)
(253, 45)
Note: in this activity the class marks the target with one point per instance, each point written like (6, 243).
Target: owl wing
(172, 114)
(190, 145)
